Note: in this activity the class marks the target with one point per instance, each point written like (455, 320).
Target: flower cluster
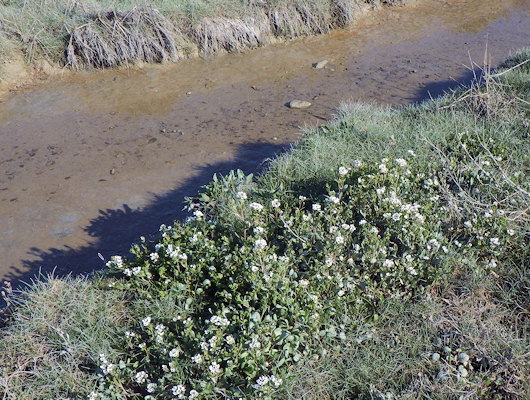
(257, 282)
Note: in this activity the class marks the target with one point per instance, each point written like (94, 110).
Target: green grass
(342, 326)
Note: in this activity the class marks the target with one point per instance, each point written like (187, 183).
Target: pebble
(320, 64)
(299, 104)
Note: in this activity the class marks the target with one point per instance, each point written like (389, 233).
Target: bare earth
(91, 161)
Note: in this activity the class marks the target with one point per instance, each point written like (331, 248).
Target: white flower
(276, 381)
(263, 380)
(142, 346)
(258, 230)
(115, 261)
(174, 353)
(374, 230)
(197, 359)
(411, 152)
(154, 257)
(302, 198)
(341, 293)
(510, 232)
(230, 340)
(141, 377)
(219, 321)
(396, 216)
(146, 321)
(487, 214)
(198, 214)
(383, 168)
(193, 394)
(275, 203)
(306, 217)
(136, 270)
(241, 195)
(260, 244)
(303, 282)
(256, 206)
(255, 344)
(388, 263)
(127, 272)
(401, 162)
(434, 243)
(178, 390)
(362, 222)
(357, 163)
(214, 368)
(411, 270)
(343, 171)
(333, 199)
(380, 190)
(151, 387)
(316, 207)
(339, 239)
(495, 241)
(93, 396)
(468, 224)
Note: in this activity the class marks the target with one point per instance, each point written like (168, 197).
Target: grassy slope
(52, 342)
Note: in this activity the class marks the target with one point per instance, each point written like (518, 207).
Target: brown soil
(91, 161)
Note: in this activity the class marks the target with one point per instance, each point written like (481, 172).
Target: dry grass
(344, 12)
(232, 34)
(289, 21)
(113, 39)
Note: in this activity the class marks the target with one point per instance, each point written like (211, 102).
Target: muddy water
(91, 161)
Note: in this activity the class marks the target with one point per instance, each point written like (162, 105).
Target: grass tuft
(112, 39)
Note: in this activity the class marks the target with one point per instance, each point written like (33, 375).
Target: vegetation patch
(385, 257)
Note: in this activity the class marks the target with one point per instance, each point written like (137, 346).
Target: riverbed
(90, 161)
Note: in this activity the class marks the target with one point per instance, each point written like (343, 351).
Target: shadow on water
(115, 230)
(435, 89)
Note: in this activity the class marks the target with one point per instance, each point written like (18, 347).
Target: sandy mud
(91, 161)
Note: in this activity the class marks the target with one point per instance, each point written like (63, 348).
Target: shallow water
(91, 161)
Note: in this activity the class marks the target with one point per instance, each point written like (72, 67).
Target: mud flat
(91, 161)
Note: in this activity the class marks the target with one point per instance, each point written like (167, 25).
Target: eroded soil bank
(91, 161)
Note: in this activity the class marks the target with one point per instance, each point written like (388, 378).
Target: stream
(90, 161)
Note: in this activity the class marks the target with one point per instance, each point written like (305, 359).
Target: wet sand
(91, 161)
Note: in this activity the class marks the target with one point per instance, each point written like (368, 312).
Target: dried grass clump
(114, 38)
(302, 19)
(231, 34)
(344, 12)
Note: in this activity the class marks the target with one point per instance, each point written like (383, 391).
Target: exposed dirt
(91, 161)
